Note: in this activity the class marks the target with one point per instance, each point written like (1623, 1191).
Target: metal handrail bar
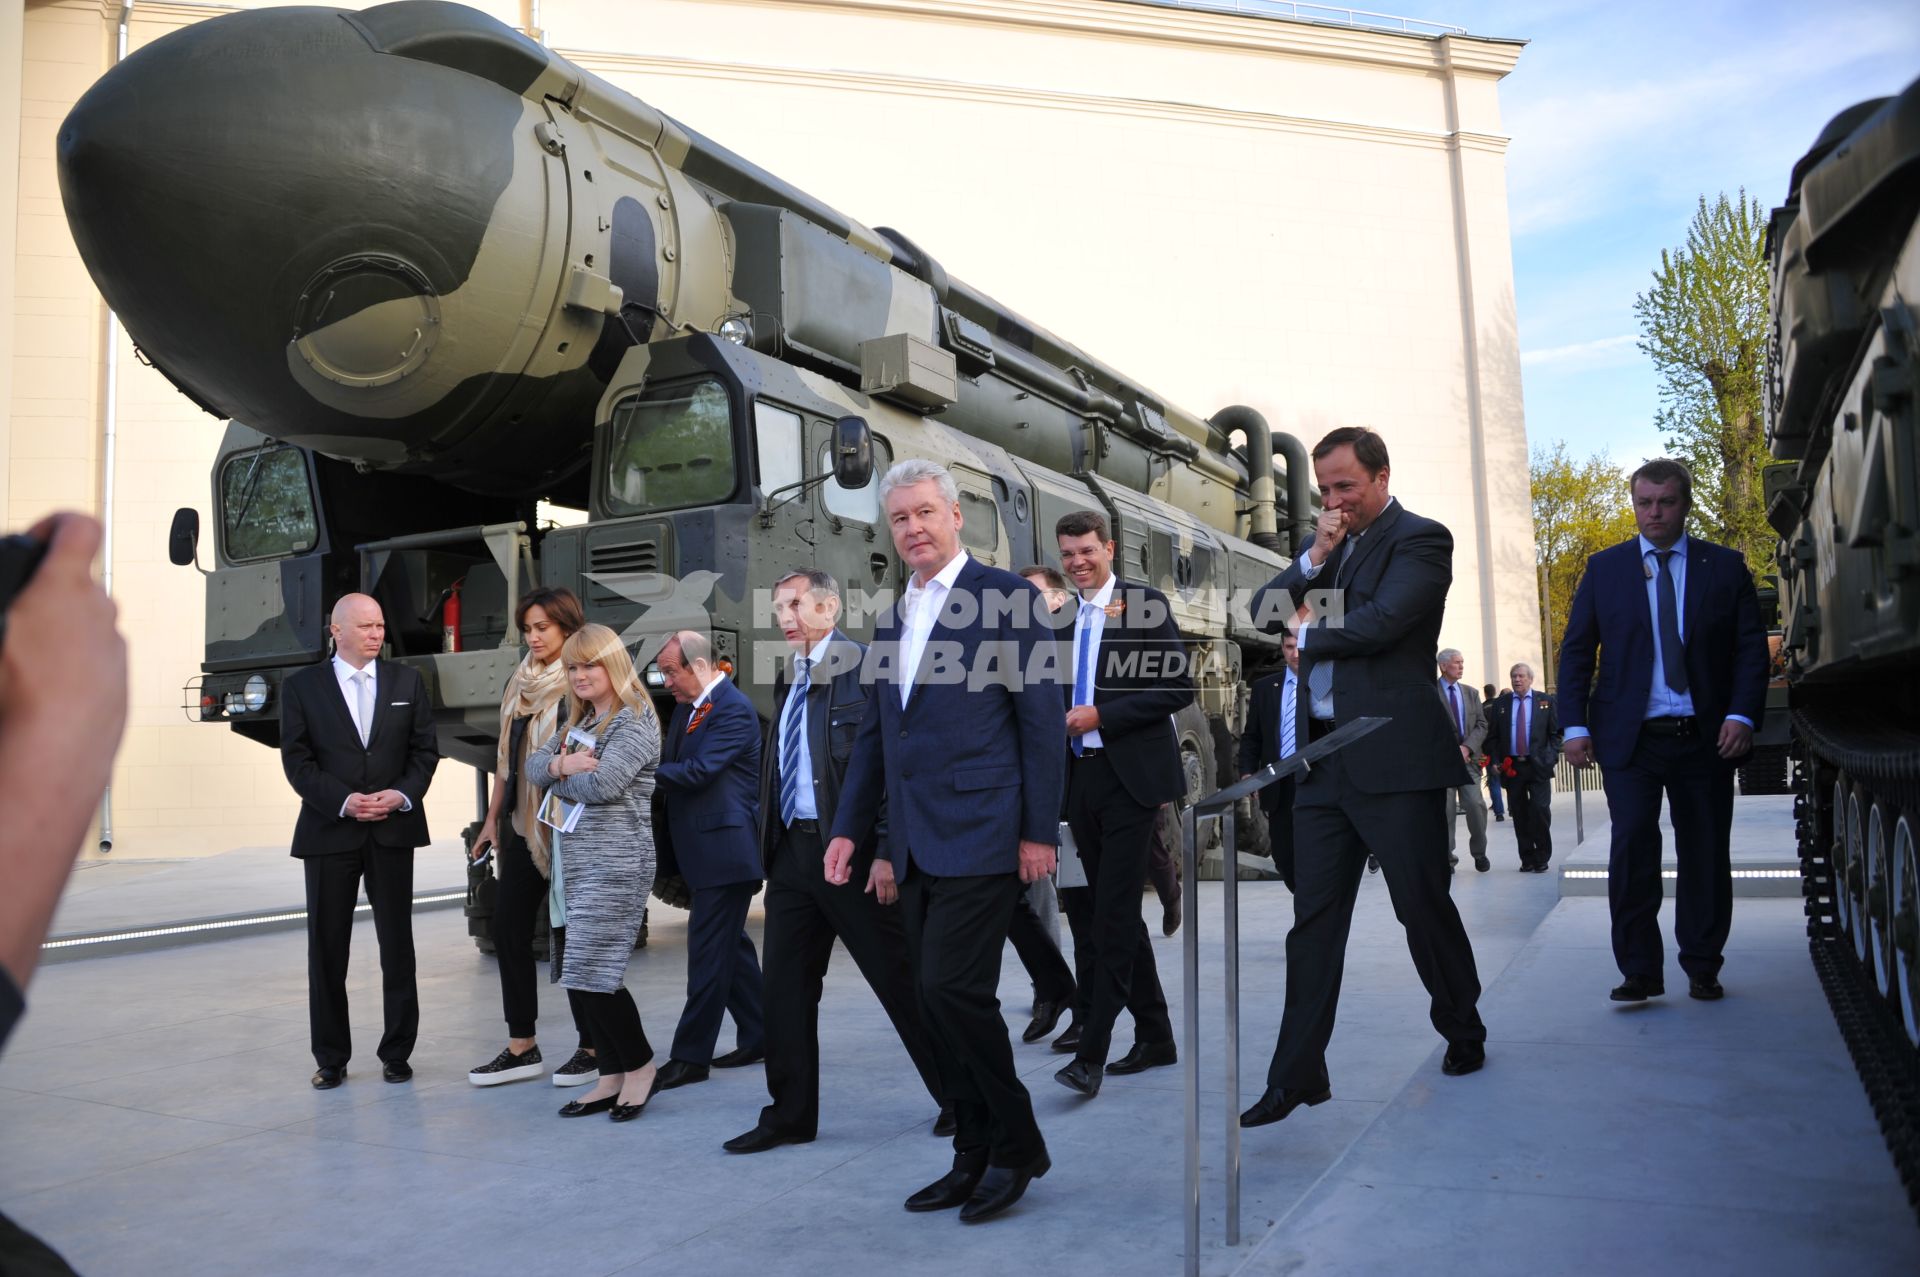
(1324, 14)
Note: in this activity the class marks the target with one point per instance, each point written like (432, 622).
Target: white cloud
(1599, 353)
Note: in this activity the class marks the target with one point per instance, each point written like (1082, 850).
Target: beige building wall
(1308, 219)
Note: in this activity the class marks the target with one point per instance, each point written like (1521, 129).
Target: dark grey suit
(1389, 798)
(1464, 710)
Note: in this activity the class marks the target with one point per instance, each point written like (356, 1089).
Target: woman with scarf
(529, 713)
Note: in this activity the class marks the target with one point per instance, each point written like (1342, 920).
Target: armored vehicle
(435, 275)
(1844, 493)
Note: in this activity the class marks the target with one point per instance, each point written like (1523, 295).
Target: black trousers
(1046, 966)
(1530, 798)
(956, 932)
(723, 974)
(1277, 800)
(612, 1024)
(333, 889)
(1077, 904)
(1163, 866)
(1113, 833)
(1698, 785)
(805, 914)
(24, 1255)
(517, 902)
(1335, 826)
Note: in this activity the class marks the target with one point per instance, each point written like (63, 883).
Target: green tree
(1704, 325)
(1579, 508)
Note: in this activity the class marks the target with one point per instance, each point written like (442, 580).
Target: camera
(19, 556)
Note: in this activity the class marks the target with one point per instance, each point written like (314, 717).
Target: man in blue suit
(965, 747)
(705, 805)
(1673, 623)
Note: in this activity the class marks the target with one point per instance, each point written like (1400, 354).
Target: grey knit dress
(607, 861)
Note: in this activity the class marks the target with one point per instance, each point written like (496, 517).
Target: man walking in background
(1470, 723)
(1524, 729)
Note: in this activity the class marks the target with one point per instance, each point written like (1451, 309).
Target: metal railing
(1326, 15)
(1221, 805)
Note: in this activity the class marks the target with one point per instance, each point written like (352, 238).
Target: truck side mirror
(852, 453)
(183, 539)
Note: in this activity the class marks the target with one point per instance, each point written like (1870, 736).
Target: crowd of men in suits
(904, 806)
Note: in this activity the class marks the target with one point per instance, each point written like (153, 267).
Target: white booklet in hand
(555, 811)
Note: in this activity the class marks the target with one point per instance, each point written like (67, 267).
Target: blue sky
(1622, 114)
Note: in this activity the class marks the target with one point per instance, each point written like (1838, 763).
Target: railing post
(1230, 883)
(1190, 918)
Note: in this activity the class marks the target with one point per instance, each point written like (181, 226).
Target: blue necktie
(1289, 707)
(790, 729)
(1083, 669)
(1673, 656)
(1459, 719)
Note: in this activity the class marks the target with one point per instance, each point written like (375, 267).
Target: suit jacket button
(903, 733)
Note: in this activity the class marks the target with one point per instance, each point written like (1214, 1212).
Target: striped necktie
(792, 725)
(1289, 708)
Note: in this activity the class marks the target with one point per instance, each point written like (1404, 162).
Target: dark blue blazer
(969, 769)
(708, 783)
(1610, 626)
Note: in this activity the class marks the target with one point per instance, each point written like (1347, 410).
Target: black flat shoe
(677, 1073)
(327, 1079)
(1637, 988)
(1706, 988)
(1463, 1058)
(397, 1071)
(1482, 864)
(1000, 1188)
(1045, 1016)
(946, 1124)
(1280, 1101)
(1082, 1077)
(950, 1190)
(1069, 1041)
(1144, 1056)
(740, 1057)
(760, 1139)
(587, 1108)
(626, 1112)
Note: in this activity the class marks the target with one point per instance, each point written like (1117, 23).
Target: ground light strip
(1669, 873)
(223, 924)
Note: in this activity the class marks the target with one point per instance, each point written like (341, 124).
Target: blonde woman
(603, 868)
(529, 712)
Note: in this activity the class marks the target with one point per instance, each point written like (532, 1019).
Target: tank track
(1887, 761)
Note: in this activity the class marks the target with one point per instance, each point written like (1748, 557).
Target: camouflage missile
(413, 238)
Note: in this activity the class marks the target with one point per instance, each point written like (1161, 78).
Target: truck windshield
(670, 446)
(266, 505)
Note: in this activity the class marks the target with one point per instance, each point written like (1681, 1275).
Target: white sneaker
(578, 1071)
(508, 1067)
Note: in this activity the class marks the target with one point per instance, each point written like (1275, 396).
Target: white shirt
(706, 691)
(918, 613)
(1087, 629)
(344, 674)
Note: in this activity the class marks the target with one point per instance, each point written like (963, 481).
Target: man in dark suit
(358, 745)
(965, 749)
(1674, 625)
(705, 803)
(1373, 580)
(1523, 739)
(811, 738)
(1130, 676)
(1469, 720)
(1272, 720)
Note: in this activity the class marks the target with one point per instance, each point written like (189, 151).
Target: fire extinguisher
(450, 618)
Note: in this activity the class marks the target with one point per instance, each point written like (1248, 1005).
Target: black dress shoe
(950, 1190)
(397, 1071)
(761, 1138)
(1082, 1077)
(1706, 988)
(1638, 988)
(1000, 1188)
(1280, 1101)
(677, 1073)
(325, 1079)
(1069, 1041)
(1482, 863)
(587, 1108)
(1144, 1056)
(1463, 1057)
(946, 1124)
(740, 1057)
(1045, 1016)
(626, 1112)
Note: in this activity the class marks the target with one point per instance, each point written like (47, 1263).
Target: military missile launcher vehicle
(433, 274)
(1843, 491)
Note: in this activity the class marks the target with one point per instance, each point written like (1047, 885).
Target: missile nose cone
(313, 234)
